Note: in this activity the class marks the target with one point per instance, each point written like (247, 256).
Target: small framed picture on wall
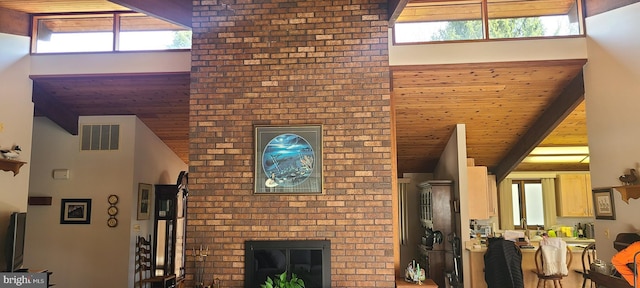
(75, 211)
(603, 204)
(144, 201)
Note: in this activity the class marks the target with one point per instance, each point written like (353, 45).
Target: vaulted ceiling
(508, 108)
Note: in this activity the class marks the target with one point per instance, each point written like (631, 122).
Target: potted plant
(282, 282)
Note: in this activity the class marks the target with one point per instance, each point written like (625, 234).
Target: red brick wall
(286, 63)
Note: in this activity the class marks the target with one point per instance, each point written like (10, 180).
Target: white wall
(453, 166)
(488, 51)
(121, 62)
(92, 253)
(155, 163)
(16, 117)
(78, 254)
(612, 83)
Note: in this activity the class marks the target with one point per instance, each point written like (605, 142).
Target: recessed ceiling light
(556, 159)
(568, 150)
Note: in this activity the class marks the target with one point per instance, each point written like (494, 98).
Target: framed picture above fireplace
(288, 159)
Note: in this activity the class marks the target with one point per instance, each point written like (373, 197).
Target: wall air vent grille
(100, 137)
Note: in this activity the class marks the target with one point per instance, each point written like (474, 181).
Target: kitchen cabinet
(573, 195)
(478, 191)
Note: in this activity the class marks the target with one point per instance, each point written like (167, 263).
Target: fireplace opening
(310, 260)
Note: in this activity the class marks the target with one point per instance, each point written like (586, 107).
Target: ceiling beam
(559, 109)
(174, 11)
(54, 110)
(395, 8)
(14, 22)
(595, 7)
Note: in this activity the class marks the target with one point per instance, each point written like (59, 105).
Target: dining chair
(556, 279)
(144, 268)
(588, 257)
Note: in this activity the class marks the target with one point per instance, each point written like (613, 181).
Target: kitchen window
(528, 208)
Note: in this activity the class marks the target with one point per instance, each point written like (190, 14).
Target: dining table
(609, 281)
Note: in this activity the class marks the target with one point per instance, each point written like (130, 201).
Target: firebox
(310, 260)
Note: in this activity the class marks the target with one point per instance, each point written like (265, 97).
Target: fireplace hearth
(310, 260)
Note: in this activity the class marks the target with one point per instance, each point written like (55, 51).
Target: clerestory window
(104, 32)
(437, 21)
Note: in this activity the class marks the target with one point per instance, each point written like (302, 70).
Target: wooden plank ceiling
(61, 6)
(161, 101)
(498, 102)
(175, 11)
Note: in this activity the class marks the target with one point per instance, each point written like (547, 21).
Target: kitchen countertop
(576, 245)
(579, 240)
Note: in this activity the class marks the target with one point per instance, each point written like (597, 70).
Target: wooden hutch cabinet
(169, 230)
(437, 213)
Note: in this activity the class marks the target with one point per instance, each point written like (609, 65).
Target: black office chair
(503, 264)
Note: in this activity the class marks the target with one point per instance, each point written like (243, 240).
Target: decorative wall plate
(113, 199)
(112, 211)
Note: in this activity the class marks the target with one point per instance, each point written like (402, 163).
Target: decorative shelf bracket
(11, 165)
(629, 192)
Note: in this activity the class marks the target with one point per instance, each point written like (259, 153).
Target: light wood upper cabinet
(573, 195)
(478, 192)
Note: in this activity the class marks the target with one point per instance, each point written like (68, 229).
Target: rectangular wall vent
(100, 137)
